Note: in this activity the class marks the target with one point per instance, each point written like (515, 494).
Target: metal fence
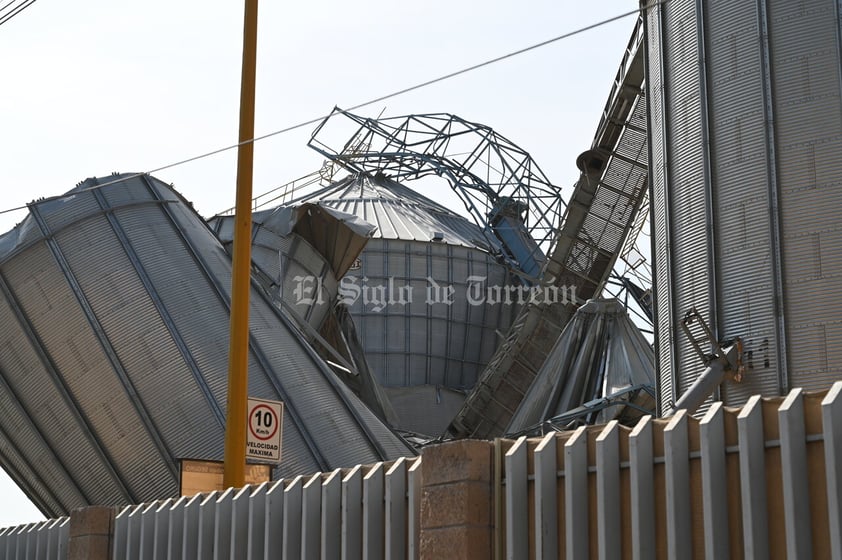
(46, 540)
(762, 481)
(367, 512)
(363, 512)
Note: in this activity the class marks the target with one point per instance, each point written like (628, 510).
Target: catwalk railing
(762, 481)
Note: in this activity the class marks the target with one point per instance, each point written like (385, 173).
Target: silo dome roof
(400, 212)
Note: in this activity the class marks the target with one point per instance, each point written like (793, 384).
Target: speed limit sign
(265, 427)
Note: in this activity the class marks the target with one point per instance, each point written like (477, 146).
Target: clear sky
(96, 86)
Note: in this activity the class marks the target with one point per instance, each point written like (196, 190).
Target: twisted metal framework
(603, 212)
(631, 279)
(503, 189)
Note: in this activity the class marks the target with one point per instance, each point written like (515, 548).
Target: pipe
(709, 380)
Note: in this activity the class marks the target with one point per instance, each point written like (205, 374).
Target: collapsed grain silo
(601, 368)
(419, 295)
(302, 252)
(114, 352)
(299, 254)
(746, 131)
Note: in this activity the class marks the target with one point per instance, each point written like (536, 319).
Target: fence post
(677, 470)
(799, 539)
(714, 482)
(91, 532)
(517, 500)
(642, 489)
(413, 517)
(397, 505)
(753, 479)
(832, 427)
(373, 537)
(608, 491)
(311, 517)
(576, 517)
(546, 498)
(456, 505)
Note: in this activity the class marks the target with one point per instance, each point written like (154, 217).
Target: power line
(372, 101)
(7, 5)
(15, 10)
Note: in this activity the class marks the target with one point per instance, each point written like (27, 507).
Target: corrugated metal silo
(301, 252)
(398, 290)
(600, 360)
(746, 130)
(113, 354)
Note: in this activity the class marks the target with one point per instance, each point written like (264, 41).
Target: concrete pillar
(91, 533)
(457, 514)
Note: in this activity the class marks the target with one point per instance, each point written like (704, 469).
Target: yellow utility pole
(235, 424)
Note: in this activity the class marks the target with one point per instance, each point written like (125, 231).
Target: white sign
(265, 427)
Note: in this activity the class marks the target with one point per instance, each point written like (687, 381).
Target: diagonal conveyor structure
(599, 217)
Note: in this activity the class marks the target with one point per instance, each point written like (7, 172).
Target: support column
(91, 533)
(457, 513)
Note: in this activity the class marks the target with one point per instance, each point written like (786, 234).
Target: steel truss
(501, 186)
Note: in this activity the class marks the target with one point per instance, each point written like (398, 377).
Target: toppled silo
(427, 294)
(601, 368)
(113, 356)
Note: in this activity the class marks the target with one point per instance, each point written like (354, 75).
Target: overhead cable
(15, 10)
(372, 101)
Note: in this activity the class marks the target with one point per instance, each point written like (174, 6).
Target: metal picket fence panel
(764, 480)
(366, 511)
(46, 540)
(761, 481)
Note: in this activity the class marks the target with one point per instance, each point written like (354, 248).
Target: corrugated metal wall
(746, 128)
(806, 54)
(427, 341)
(658, 205)
(113, 355)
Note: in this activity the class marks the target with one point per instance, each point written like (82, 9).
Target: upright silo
(746, 136)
